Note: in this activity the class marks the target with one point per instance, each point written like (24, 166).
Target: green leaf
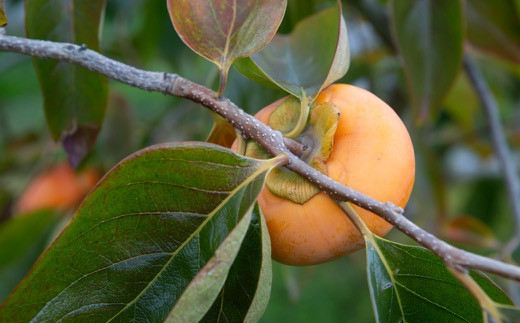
(411, 284)
(160, 227)
(75, 99)
(313, 56)
(493, 27)
(3, 18)
(429, 35)
(224, 30)
(247, 289)
(23, 239)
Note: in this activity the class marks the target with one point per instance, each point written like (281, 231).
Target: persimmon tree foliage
(187, 231)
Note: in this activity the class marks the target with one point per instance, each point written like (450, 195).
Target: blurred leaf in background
(74, 98)
(23, 238)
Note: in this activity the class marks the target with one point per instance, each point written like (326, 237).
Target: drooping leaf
(429, 35)
(160, 227)
(245, 294)
(222, 133)
(22, 239)
(493, 26)
(224, 30)
(75, 99)
(313, 56)
(411, 284)
(3, 17)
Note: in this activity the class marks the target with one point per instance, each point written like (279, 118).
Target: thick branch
(250, 127)
(500, 146)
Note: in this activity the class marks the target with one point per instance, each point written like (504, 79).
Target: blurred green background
(458, 176)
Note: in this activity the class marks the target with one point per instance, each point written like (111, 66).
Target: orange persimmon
(372, 153)
(57, 188)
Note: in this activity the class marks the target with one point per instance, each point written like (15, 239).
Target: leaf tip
(78, 143)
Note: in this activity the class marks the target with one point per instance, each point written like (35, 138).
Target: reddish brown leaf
(224, 30)
(469, 230)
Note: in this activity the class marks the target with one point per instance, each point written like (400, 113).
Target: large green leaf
(3, 18)
(429, 35)
(22, 240)
(158, 233)
(75, 99)
(411, 284)
(313, 56)
(494, 27)
(246, 292)
(224, 30)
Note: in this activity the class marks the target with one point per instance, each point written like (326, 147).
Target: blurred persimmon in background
(60, 187)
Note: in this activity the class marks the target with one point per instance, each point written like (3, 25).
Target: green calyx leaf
(318, 137)
(285, 117)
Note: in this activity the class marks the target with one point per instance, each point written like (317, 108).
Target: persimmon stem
(272, 141)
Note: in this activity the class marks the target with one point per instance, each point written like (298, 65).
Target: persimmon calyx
(317, 136)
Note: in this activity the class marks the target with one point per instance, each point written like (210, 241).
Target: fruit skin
(58, 188)
(372, 154)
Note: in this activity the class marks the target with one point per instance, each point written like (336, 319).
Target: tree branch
(271, 140)
(500, 146)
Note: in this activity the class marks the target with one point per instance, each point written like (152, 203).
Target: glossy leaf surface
(224, 30)
(245, 294)
(313, 56)
(22, 239)
(411, 284)
(160, 227)
(494, 27)
(74, 99)
(429, 35)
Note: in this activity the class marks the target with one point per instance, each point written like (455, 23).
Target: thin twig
(500, 145)
(271, 140)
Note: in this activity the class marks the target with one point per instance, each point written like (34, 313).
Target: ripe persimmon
(371, 153)
(57, 188)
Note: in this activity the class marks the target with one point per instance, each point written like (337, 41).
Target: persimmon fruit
(371, 153)
(57, 188)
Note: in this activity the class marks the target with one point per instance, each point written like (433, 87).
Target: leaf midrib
(197, 231)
